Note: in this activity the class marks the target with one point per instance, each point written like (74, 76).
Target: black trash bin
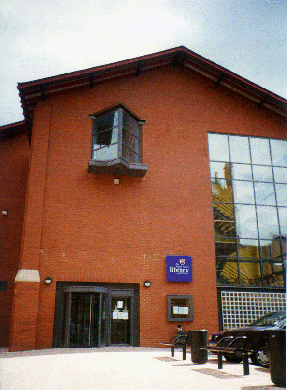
(198, 340)
(277, 356)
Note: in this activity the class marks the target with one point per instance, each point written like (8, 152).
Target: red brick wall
(14, 163)
(87, 229)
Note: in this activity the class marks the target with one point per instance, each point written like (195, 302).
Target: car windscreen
(270, 319)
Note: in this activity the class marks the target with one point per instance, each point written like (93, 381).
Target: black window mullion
(256, 215)
(234, 211)
(104, 146)
(131, 133)
(120, 133)
(131, 149)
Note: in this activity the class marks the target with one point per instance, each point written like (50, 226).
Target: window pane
(180, 307)
(227, 271)
(241, 171)
(246, 225)
(267, 222)
(248, 248)
(279, 152)
(221, 190)
(250, 273)
(218, 147)
(262, 173)
(273, 274)
(130, 124)
(105, 137)
(281, 194)
(243, 192)
(226, 248)
(260, 151)
(264, 193)
(223, 215)
(283, 220)
(239, 149)
(131, 139)
(280, 175)
(220, 170)
(270, 249)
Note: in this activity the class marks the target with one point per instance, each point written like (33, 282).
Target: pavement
(123, 368)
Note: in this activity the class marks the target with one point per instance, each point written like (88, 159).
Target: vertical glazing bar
(90, 320)
(120, 112)
(99, 320)
(68, 318)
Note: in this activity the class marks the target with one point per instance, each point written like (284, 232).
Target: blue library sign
(178, 269)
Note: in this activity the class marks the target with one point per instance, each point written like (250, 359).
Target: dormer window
(116, 142)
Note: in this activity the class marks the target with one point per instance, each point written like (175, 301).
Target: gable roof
(12, 129)
(37, 90)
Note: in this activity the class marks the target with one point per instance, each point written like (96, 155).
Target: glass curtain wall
(249, 193)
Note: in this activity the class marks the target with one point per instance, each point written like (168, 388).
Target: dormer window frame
(120, 148)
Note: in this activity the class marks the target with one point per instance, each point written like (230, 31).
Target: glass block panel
(280, 175)
(260, 151)
(250, 274)
(220, 170)
(221, 190)
(239, 149)
(273, 274)
(248, 248)
(265, 194)
(218, 147)
(246, 225)
(267, 222)
(226, 271)
(282, 211)
(279, 152)
(241, 308)
(281, 194)
(262, 173)
(243, 192)
(241, 172)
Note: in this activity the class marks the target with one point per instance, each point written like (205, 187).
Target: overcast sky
(41, 38)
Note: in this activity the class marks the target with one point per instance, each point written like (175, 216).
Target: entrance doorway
(95, 316)
(121, 320)
(87, 320)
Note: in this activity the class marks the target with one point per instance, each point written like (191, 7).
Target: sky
(42, 38)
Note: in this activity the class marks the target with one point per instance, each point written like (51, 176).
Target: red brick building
(117, 177)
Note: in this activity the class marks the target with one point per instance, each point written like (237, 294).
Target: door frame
(125, 293)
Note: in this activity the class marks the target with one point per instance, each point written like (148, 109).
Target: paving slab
(123, 368)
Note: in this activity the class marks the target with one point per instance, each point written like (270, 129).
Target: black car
(257, 334)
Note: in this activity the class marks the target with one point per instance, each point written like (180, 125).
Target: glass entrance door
(121, 320)
(87, 320)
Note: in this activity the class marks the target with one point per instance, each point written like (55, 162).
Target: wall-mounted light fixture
(4, 212)
(116, 181)
(48, 280)
(147, 283)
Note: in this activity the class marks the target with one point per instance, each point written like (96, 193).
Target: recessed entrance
(95, 316)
